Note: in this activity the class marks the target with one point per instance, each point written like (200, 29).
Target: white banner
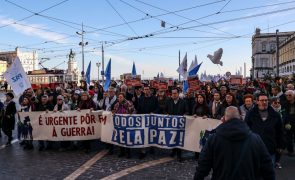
(17, 78)
(133, 131)
(62, 126)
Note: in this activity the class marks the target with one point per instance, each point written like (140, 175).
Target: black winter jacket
(270, 130)
(234, 152)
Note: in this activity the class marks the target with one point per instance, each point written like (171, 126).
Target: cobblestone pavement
(16, 163)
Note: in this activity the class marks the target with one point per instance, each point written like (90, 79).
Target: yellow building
(286, 56)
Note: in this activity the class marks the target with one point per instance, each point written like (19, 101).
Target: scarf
(109, 103)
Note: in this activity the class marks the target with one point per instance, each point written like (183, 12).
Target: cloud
(36, 30)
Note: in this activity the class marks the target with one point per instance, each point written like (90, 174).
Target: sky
(130, 31)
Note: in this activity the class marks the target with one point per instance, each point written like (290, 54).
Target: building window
(272, 47)
(263, 46)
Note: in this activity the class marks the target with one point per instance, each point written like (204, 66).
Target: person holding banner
(190, 101)
(176, 106)
(86, 103)
(201, 108)
(234, 152)
(25, 127)
(147, 104)
(62, 106)
(214, 104)
(162, 100)
(9, 117)
(108, 105)
(44, 105)
(123, 106)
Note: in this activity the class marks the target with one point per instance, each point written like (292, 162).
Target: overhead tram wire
(163, 14)
(186, 17)
(148, 14)
(57, 19)
(228, 20)
(224, 6)
(33, 13)
(219, 22)
(121, 17)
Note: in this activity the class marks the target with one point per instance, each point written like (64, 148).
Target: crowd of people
(267, 107)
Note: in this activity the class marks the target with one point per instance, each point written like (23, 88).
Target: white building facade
(263, 47)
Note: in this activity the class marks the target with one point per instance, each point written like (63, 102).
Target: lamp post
(82, 44)
(98, 65)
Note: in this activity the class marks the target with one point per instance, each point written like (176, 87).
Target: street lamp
(82, 44)
(98, 65)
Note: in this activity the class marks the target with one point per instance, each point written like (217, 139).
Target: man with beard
(267, 123)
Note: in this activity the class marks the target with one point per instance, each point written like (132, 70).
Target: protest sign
(64, 126)
(133, 131)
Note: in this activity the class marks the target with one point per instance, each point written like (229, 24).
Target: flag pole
(178, 65)
(102, 64)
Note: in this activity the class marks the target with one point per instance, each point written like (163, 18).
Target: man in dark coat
(176, 106)
(234, 152)
(9, 117)
(190, 102)
(44, 105)
(289, 120)
(267, 123)
(147, 104)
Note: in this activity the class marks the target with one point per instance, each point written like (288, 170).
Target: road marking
(137, 167)
(87, 165)
(12, 142)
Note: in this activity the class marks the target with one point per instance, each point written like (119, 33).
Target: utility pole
(82, 44)
(277, 53)
(178, 65)
(98, 65)
(102, 71)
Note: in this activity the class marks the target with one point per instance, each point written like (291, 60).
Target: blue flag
(107, 76)
(88, 73)
(133, 70)
(194, 70)
(185, 86)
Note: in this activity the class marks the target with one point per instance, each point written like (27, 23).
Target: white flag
(17, 78)
(182, 69)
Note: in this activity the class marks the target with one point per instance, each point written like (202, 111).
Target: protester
(75, 100)
(9, 117)
(229, 100)
(247, 106)
(123, 106)
(176, 106)
(45, 106)
(190, 101)
(147, 104)
(214, 104)
(276, 92)
(26, 106)
(275, 104)
(289, 120)
(108, 105)
(201, 108)
(138, 94)
(234, 152)
(267, 123)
